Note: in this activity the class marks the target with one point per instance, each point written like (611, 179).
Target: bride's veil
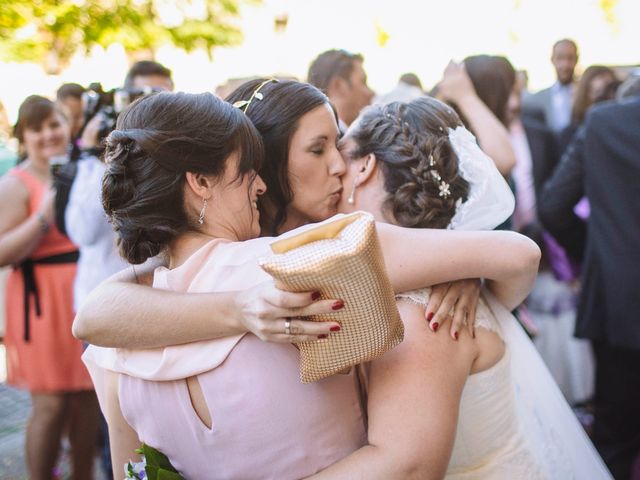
(551, 428)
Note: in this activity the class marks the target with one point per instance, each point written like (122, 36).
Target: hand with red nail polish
(274, 315)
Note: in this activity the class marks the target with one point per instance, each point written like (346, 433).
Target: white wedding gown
(514, 422)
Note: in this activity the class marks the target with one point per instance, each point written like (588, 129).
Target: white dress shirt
(88, 228)
(561, 104)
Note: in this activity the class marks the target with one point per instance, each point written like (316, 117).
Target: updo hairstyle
(158, 139)
(411, 142)
(276, 115)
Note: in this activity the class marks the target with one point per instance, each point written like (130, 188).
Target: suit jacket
(544, 152)
(602, 162)
(538, 105)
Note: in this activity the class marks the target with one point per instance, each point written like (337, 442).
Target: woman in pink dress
(43, 357)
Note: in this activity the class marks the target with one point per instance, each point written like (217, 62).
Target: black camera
(109, 104)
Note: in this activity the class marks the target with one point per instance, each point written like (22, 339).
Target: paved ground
(14, 410)
(15, 406)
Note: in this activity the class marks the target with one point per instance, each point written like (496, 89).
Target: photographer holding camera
(98, 113)
(102, 108)
(83, 218)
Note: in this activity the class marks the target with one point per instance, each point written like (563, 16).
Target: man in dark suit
(554, 103)
(603, 163)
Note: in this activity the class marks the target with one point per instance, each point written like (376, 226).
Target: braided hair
(411, 143)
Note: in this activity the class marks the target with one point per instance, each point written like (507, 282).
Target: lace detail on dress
(484, 316)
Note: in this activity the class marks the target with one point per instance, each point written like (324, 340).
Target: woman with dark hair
(285, 137)
(475, 88)
(149, 150)
(493, 78)
(42, 355)
(594, 87)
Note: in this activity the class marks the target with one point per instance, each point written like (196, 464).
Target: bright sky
(422, 35)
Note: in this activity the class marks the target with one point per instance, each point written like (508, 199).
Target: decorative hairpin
(244, 104)
(444, 190)
(443, 187)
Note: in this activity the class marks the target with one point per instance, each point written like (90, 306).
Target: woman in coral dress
(42, 355)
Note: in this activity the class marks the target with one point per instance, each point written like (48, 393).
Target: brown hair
(330, 64)
(581, 101)
(405, 138)
(493, 78)
(32, 112)
(276, 116)
(159, 138)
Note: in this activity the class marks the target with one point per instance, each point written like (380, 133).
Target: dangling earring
(204, 208)
(352, 198)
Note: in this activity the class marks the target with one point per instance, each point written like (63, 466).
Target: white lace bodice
(490, 443)
(484, 317)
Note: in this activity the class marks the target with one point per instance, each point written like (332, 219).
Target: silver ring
(287, 326)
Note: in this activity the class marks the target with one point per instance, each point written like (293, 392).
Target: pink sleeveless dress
(42, 355)
(266, 423)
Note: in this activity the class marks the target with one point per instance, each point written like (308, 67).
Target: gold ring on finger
(287, 326)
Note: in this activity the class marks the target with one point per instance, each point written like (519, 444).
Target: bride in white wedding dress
(413, 165)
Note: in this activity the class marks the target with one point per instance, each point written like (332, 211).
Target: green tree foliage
(51, 31)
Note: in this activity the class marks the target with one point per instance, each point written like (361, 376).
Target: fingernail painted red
(337, 305)
(435, 326)
(429, 316)
(315, 296)
(323, 336)
(335, 328)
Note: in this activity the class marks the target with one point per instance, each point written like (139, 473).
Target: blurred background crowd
(574, 169)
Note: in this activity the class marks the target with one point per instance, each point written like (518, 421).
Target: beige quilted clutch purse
(340, 259)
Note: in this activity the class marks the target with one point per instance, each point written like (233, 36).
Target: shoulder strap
(62, 182)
